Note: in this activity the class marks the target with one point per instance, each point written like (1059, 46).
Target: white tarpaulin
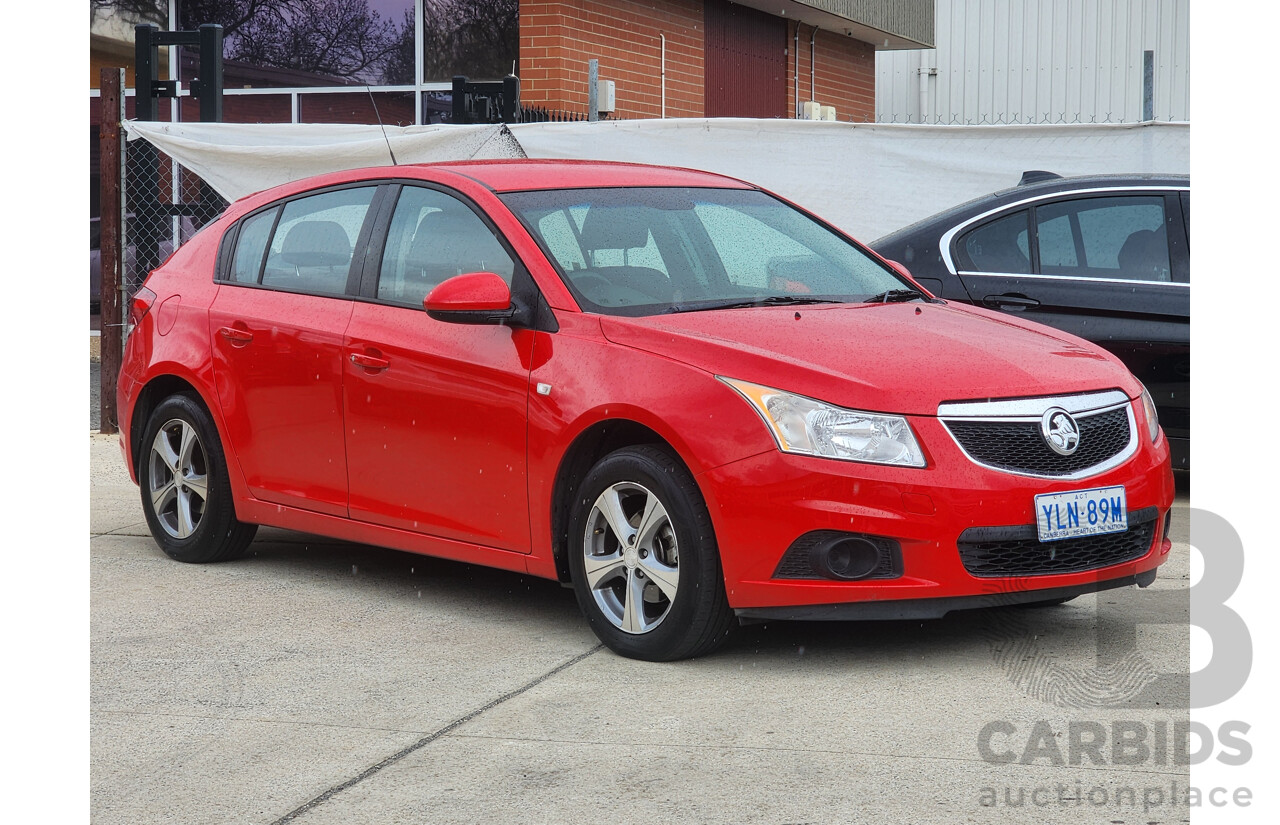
(869, 179)
(866, 178)
(238, 159)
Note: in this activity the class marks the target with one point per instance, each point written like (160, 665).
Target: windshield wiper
(898, 296)
(771, 301)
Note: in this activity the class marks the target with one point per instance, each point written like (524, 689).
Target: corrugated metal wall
(1054, 61)
(912, 19)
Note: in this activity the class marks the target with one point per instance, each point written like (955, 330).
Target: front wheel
(186, 494)
(646, 569)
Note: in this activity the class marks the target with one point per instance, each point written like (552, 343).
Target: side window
(246, 263)
(1057, 241)
(433, 237)
(1001, 245)
(1107, 237)
(311, 249)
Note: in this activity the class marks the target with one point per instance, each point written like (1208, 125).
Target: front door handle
(369, 362)
(237, 337)
(1012, 301)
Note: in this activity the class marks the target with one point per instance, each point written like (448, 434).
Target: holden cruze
(695, 401)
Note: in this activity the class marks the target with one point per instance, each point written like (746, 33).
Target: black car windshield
(644, 251)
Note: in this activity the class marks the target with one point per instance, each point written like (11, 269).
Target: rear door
(436, 413)
(1110, 268)
(277, 326)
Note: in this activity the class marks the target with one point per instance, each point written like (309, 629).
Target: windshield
(643, 251)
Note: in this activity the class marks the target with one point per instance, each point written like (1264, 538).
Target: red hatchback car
(690, 398)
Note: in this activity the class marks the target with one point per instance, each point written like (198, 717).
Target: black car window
(1104, 237)
(433, 237)
(1001, 245)
(311, 248)
(246, 263)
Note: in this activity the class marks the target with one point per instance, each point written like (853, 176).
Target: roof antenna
(380, 126)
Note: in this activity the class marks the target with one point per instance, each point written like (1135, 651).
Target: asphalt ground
(318, 681)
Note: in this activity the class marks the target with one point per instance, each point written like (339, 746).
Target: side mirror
(474, 298)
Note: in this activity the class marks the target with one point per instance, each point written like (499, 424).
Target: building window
(476, 38)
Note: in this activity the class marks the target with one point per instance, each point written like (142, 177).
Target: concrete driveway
(324, 682)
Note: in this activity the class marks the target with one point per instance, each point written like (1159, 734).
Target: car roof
(1054, 185)
(500, 176)
(528, 174)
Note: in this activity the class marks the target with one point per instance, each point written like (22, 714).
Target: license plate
(1081, 513)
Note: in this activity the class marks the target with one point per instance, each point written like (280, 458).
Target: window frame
(524, 289)
(949, 243)
(372, 273)
(1081, 243)
(1033, 245)
(359, 248)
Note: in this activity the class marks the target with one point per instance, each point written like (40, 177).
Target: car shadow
(1070, 632)
(408, 579)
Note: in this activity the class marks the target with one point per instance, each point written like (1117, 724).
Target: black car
(1104, 257)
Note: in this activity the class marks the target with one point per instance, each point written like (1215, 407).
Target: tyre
(186, 494)
(643, 555)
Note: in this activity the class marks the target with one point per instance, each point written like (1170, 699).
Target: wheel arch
(591, 445)
(151, 395)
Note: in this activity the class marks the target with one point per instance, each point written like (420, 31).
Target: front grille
(1018, 447)
(1016, 551)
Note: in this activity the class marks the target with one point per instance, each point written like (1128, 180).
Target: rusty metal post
(111, 85)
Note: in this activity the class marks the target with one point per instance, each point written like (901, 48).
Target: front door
(436, 413)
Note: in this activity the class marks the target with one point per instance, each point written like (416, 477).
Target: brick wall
(558, 38)
(845, 76)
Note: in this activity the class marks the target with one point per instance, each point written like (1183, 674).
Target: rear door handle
(1010, 301)
(369, 362)
(237, 337)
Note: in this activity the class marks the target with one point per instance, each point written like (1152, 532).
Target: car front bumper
(763, 504)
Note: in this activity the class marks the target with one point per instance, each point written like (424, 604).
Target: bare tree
(476, 38)
(145, 10)
(345, 38)
(332, 37)
(401, 61)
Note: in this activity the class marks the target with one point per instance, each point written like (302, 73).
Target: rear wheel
(646, 569)
(186, 494)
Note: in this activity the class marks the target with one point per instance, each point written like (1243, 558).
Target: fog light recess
(830, 554)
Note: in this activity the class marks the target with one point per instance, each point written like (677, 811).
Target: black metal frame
(148, 38)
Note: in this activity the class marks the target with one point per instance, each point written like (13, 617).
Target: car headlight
(808, 427)
(1149, 410)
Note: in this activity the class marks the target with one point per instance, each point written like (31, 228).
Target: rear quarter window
(251, 245)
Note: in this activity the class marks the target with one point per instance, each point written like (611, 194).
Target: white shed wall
(1041, 61)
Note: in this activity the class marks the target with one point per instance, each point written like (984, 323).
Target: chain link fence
(164, 205)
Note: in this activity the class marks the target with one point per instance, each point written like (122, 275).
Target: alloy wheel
(632, 561)
(179, 482)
